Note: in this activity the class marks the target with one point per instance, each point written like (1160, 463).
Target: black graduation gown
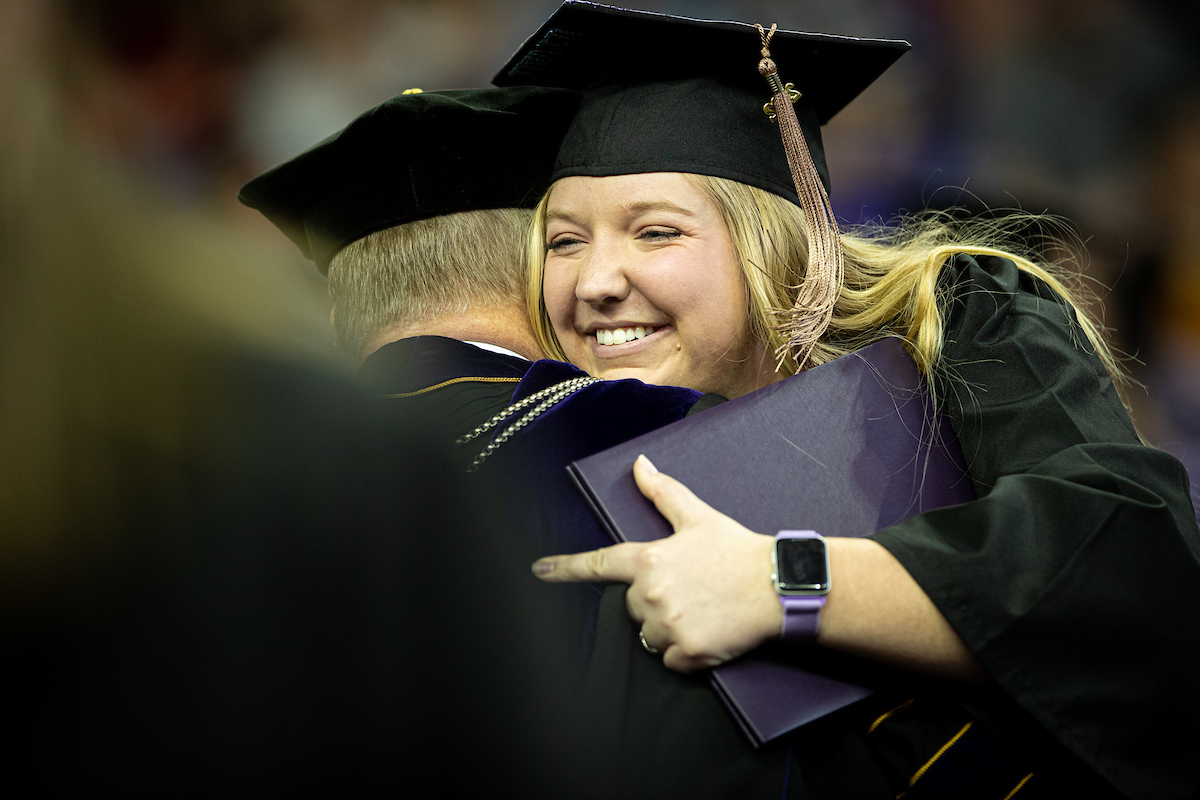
(446, 382)
(1074, 578)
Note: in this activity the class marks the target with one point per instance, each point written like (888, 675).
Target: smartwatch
(801, 578)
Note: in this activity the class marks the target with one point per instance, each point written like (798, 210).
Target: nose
(603, 278)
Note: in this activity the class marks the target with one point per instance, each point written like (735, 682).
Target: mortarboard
(663, 93)
(415, 156)
(671, 94)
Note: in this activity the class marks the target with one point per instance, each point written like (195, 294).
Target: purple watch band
(801, 617)
(801, 612)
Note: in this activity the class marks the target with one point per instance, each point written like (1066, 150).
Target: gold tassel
(809, 318)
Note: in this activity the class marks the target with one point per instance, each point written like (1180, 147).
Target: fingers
(614, 563)
(677, 585)
(679, 651)
(675, 655)
(618, 563)
(673, 500)
(678, 659)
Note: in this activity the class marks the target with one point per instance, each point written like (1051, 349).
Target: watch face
(802, 566)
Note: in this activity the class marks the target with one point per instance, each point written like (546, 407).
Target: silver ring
(649, 649)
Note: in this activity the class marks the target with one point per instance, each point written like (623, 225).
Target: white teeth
(607, 336)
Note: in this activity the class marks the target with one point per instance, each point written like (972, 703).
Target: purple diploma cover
(846, 449)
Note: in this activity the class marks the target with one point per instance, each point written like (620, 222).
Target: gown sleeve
(1075, 575)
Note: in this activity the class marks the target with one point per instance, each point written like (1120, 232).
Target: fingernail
(543, 566)
(649, 464)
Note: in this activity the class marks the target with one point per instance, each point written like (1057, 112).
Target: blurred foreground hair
(109, 301)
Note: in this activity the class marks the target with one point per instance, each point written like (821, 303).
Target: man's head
(448, 265)
(417, 208)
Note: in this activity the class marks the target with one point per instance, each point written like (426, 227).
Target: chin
(642, 374)
(657, 378)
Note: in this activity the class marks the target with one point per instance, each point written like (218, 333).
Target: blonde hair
(427, 268)
(890, 287)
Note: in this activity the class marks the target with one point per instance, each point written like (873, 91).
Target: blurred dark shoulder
(221, 565)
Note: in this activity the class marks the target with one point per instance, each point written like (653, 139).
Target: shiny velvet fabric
(594, 419)
(541, 500)
(413, 157)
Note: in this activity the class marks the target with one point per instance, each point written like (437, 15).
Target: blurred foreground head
(110, 302)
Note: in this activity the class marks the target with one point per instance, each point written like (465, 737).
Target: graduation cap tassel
(808, 319)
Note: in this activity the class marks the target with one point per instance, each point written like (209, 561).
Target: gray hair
(427, 268)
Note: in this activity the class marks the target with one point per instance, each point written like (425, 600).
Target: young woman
(683, 244)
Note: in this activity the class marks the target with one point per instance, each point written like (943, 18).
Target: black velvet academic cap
(671, 94)
(413, 157)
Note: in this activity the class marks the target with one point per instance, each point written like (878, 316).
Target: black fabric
(698, 125)
(1075, 577)
(670, 94)
(662, 734)
(413, 157)
(706, 402)
(452, 385)
(304, 611)
(540, 499)
(407, 366)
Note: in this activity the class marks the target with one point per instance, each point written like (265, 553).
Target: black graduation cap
(416, 156)
(671, 94)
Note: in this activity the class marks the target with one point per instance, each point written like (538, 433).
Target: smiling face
(642, 281)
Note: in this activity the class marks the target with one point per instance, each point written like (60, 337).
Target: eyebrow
(552, 216)
(657, 205)
(631, 209)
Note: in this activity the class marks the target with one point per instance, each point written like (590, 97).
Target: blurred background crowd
(1088, 109)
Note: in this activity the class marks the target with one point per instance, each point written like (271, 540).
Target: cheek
(731, 316)
(558, 292)
(734, 314)
(718, 312)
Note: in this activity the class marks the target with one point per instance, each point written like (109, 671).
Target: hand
(703, 595)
